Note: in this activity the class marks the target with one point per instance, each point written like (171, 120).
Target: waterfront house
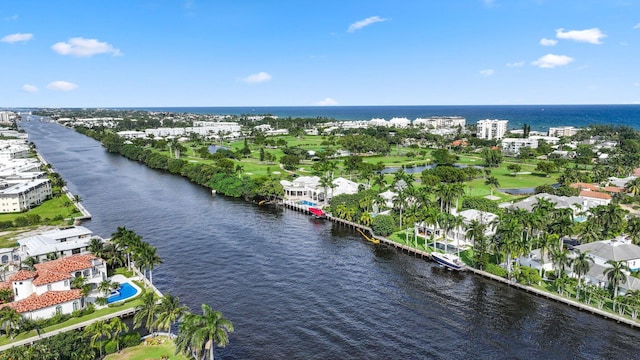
(309, 188)
(536, 259)
(60, 242)
(47, 291)
(459, 234)
(618, 249)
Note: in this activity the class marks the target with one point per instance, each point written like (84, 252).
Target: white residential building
(23, 195)
(378, 122)
(491, 129)
(561, 131)
(441, 122)
(553, 140)
(399, 122)
(309, 188)
(61, 242)
(512, 146)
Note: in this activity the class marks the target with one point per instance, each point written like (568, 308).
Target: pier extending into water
(512, 283)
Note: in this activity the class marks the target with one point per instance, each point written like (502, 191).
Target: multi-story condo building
(491, 129)
(441, 122)
(560, 131)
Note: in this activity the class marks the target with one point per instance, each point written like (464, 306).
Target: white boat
(449, 261)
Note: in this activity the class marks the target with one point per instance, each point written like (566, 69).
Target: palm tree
(508, 231)
(616, 275)
(198, 333)
(169, 312)
(96, 247)
(492, 182)
(105, 287)
(581, 265)
(127, 241)
(545, 243)
(633, 187)
(589, 231)
(97, 331)
(399, 202)
(365, 218)
(10, 320)
(633, 229)
(118, 327)
(475, 233)
(147, 256)
(560, 260)
(146, 311)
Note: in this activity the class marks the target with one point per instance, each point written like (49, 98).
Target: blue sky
(122, 53)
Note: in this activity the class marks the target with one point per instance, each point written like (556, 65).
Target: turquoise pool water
(126, 291)
(306, 202)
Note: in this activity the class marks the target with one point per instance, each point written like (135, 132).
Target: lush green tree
(492, 182)
(581, 265)
(146, 312)
(98, 331)
(383, 225)
(169, 311)
(492, 157)
(444, 157)
(546, 167)
(117, 327)
(616, 275)
(197, 333)
(10, 321)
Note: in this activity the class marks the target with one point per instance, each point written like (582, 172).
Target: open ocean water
(539, 117)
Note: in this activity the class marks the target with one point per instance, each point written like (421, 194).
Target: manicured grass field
(154, 351)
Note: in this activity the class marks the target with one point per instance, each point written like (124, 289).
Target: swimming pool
(306, 202)
(124, 292)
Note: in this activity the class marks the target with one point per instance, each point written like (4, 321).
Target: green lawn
(153, 351)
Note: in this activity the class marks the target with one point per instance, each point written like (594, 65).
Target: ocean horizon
(539, 117)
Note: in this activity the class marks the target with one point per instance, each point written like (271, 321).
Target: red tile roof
(595, 194)
(68, 264)
(48, 277)
(584, 186)
(50, 298)
(23, 275)
(6, 285)
(613, 189)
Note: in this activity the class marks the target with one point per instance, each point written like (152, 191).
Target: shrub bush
(383, 225)
(110, 347)
(131, 339)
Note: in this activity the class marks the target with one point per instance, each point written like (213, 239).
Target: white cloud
(327, 102)
(62, 86)
(82, 47)
(548, 42)
(486, 72)
(636, 26)
(366, 22)
(13, 17)
(257, 78)
(591, 36)
(550, 61)
(29, 88)
(13, 38)
(516, 64)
